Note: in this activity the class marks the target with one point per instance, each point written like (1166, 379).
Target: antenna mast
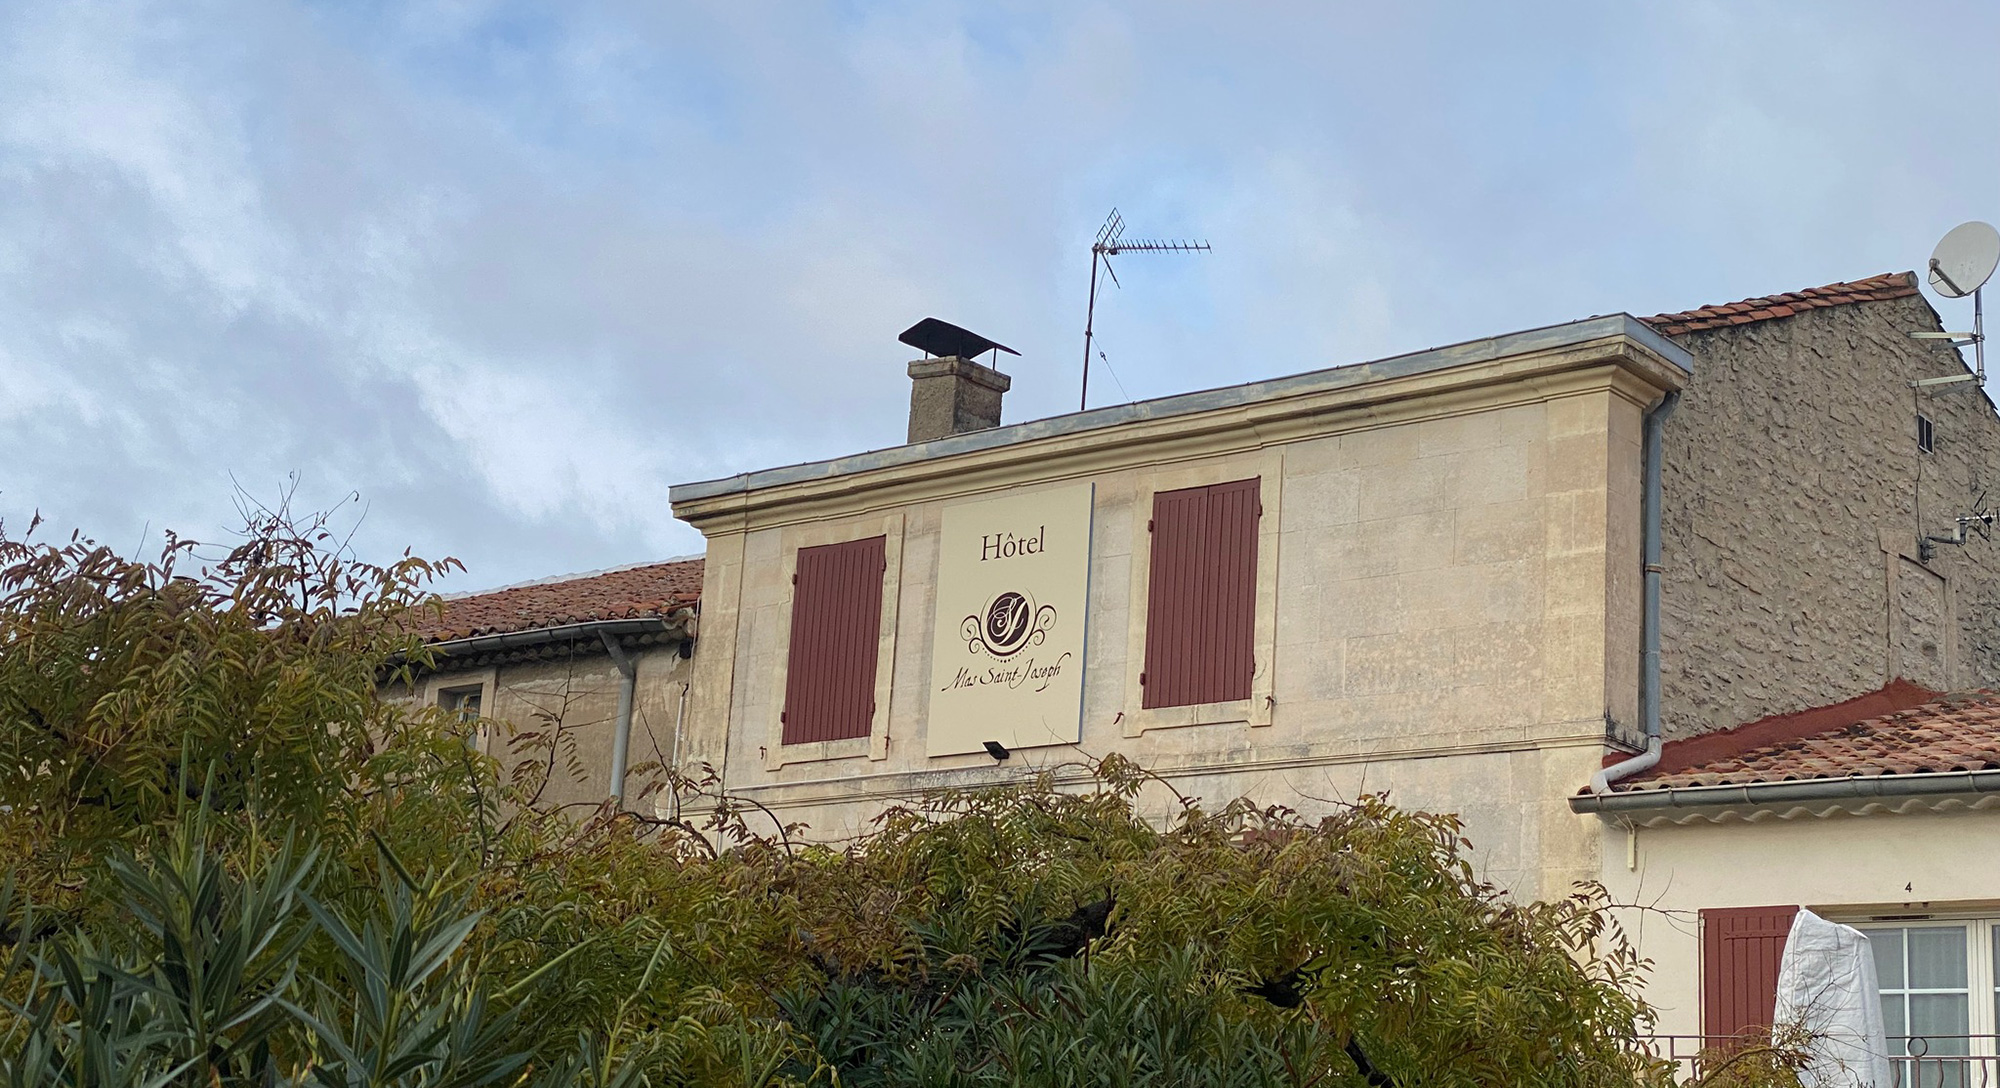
(1110, 242)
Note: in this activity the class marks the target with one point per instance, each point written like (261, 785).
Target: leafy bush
(236, 865)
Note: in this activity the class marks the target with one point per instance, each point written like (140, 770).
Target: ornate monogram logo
(1010, 623)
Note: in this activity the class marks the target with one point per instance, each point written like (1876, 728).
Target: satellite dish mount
(1960, 265)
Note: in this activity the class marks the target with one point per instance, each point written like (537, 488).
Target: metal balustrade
(1934, 1061)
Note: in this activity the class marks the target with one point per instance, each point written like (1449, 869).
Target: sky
(488, 278)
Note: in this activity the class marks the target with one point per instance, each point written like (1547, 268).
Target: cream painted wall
(1845, 867)
(1448, 608)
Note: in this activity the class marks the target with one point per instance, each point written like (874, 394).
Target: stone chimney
(952, 395)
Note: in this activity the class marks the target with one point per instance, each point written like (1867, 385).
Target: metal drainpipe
(680, 718)
(1649, 611)
(621, 741)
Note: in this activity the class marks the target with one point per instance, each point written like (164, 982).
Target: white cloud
(511, 271)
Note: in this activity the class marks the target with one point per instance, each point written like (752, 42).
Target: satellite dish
(1964, 259)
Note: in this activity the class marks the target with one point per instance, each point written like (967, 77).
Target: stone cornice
(1618, 354)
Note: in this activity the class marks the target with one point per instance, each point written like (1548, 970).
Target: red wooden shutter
(836, 625)
(1201, 598)
(1741, 948)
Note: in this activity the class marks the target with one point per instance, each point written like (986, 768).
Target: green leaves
(218, 954)
(399, 1010)
(244, 677)
(204, 988)
(171, 732)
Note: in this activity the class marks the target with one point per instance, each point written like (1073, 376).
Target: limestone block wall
(1794, 496)
(1453, 618)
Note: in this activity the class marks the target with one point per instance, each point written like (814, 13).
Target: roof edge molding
(1385, 391)
(1922, 784)
(454, 654)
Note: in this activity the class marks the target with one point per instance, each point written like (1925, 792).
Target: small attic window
(1926, 434)
(462, 703)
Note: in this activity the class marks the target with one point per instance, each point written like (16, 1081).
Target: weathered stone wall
(1793, 485)
(573, 691)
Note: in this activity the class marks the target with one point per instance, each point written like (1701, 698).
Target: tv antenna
(1960, 265)
(1111, 241)
(1980, 521)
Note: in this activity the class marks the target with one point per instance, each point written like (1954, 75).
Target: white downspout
(621, 741)
(680, 718)
(1649, 611)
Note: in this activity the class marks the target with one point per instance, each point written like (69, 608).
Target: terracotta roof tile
(1873, 289)
(1946, 733)
(655, 589)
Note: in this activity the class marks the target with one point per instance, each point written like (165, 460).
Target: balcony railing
(1933, 1061)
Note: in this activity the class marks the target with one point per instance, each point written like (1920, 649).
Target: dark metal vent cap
(934, 337)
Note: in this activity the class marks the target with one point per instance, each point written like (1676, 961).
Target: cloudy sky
(509, 270)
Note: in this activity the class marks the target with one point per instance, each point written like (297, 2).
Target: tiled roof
(1873, 289)
(1947, 733)
(655, 589)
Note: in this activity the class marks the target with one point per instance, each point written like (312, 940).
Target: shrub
(233, 864)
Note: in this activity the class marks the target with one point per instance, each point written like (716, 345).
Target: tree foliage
(233, 864)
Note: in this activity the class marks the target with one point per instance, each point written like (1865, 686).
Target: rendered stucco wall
(1792, 489)
(574, 694)
(1450, 603)
(1848, 868)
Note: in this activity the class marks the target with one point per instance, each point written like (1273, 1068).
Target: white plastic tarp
(1827, 986)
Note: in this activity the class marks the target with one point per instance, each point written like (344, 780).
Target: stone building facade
(1441, 600)
(1796, 497)
(1447, 574)
(1444, 606)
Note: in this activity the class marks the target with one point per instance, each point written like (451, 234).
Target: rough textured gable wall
(1792, 489)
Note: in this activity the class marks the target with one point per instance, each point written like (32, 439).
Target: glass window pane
(1888, 946)
(1939, 1017)
(1893, 1024)
(1996, 977)
(1937, 958)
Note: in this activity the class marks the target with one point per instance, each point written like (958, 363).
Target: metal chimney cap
(934, 337)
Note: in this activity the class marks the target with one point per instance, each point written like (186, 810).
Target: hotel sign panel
(1007, 653)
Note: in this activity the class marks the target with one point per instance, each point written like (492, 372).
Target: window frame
(875, 746)
(451, 700)
(1982, 974)
(486, 680)
(1926, 433)
(1269, 469)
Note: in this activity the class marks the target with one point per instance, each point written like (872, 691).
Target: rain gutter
(1859, 787)
(514, 640)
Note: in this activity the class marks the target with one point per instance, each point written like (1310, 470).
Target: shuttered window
(1741, 948)
(1201, 596)
(836, 625)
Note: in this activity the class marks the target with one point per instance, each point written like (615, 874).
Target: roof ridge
(1878, 288)
(580, 576)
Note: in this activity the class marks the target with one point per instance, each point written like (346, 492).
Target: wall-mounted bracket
(1954, 379)
(1927, 543)
(1976, 340)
